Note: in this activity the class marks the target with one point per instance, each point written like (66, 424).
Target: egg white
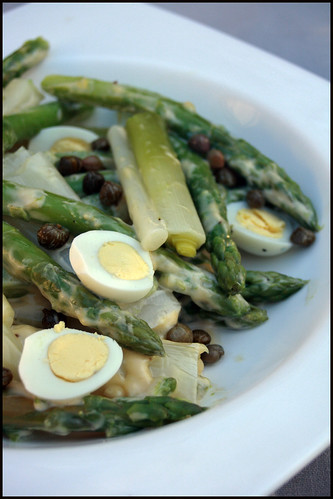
(45, 139)
(83, 255)
(258, 244)
(39, 379)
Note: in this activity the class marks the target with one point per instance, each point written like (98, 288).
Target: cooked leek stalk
(18, 95)
(183, 363)
(181, 367)
(35, 170)
(149, 227)
(165, 182)
(159, 309)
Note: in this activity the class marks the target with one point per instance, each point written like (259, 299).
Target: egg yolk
(122, 261)
(70, 144)
(261, 222)
(76, 357)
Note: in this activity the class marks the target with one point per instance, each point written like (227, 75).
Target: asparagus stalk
(190, 312)
(102, 415)
(165, 182)
(261, 286)
(118, 210)
(29, 122)
(183, 277)
(24, 260)
(13, 287)
(233, 195)
(259, 171)
(225, 257)
(254, 318)
(270, 287)
(38, 205)
(26, 57)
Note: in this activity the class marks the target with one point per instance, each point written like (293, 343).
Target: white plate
(274, 417)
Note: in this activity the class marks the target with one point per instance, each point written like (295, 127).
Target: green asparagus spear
(13, 287)
(165, 386)
(35, 204)
(254, 318)
(233, 195)
(259, 171)
(44, 206)
(225, 257)
(102, 415)
(261, 286)
(183, 277)
(190, 312)
(119, 210)
(24, 260)
(269, 286)
(26, 57)
(28, 123)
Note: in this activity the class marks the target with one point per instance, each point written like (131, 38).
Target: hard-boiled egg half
(62, 139)
(259, 231)
(61, 363)
(112, 265)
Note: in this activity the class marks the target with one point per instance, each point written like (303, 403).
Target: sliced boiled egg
(62, 363)
(112, 265)
(259, 231)
(63, 139)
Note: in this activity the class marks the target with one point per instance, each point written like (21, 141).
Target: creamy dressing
(28, 198)
(133, 378)
(281, 199)
(179, 279)
(209, 209)
(211, 215)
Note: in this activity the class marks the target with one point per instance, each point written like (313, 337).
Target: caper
(92, 164)
(199, 143)
(302, 237)
(51, 318)
(180, 333)
(92, 182)
(215, 352)
(110, 193)
(52, 236)
(226, 176)
(201, 336)
(100, 144)
(255, 198)
(69, 164)
(215, 159)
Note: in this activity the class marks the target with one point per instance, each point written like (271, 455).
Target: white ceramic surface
(273, 417)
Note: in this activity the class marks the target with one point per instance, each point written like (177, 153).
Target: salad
(116, 240)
